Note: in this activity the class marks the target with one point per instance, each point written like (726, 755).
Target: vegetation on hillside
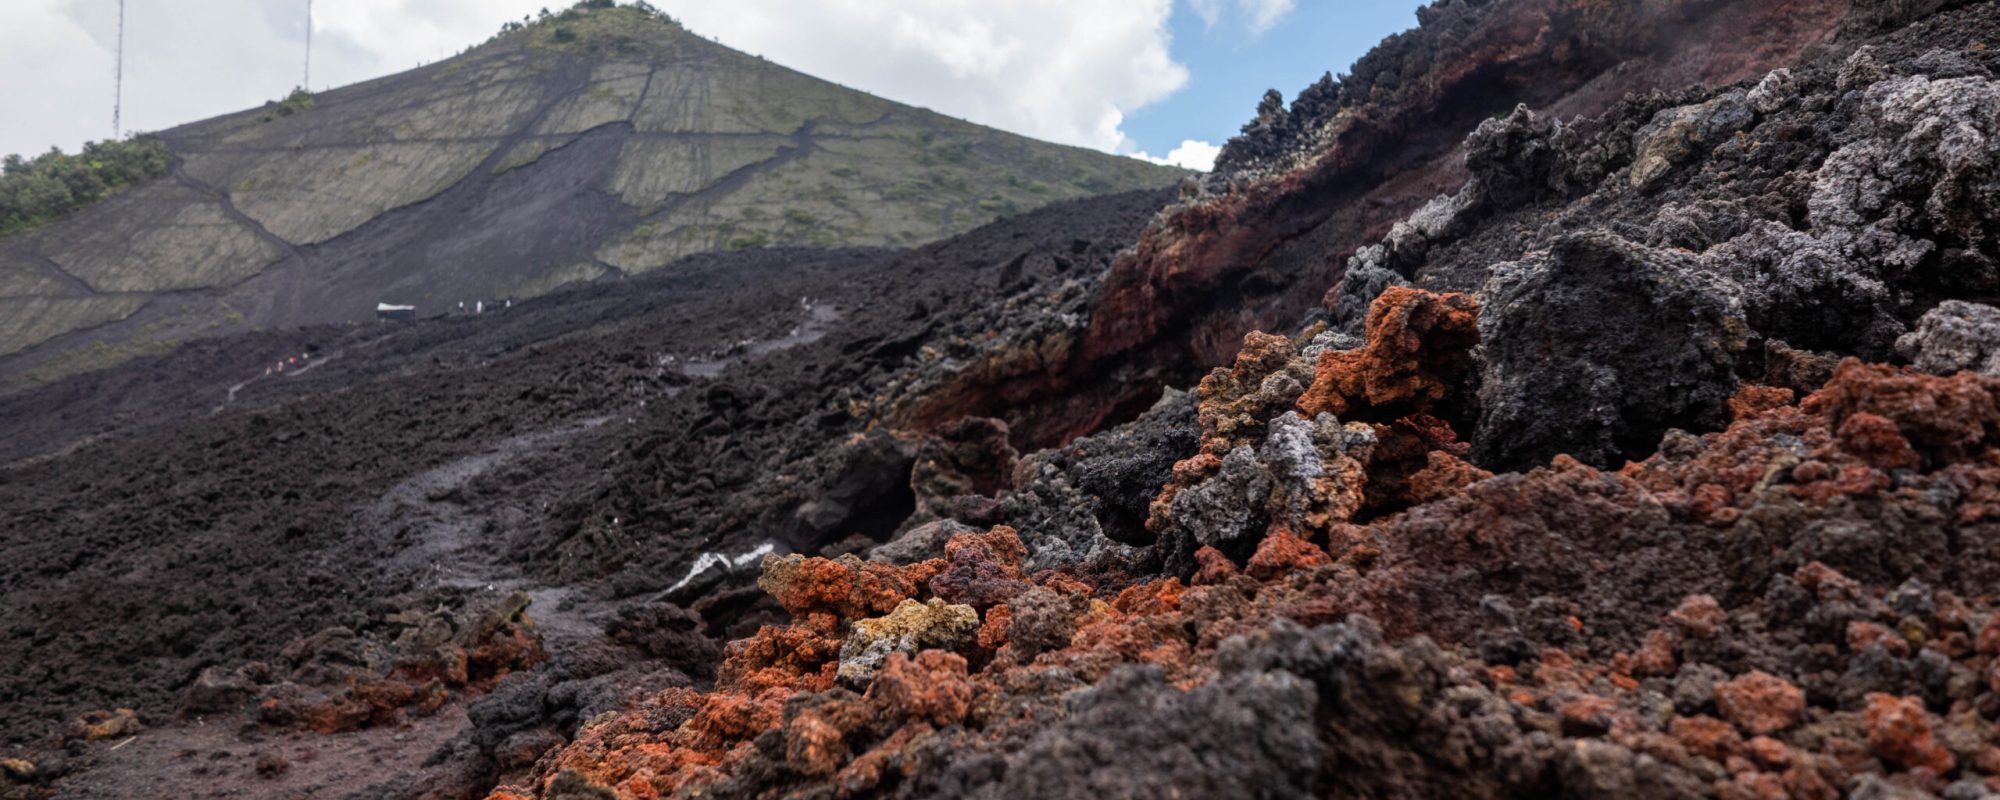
(34, 191)
(583, 23)
(298, 101)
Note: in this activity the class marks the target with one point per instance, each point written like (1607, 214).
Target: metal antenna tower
(307, 85)
(118, 96)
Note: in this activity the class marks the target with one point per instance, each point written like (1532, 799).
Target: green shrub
(298, 101)
(55, 183)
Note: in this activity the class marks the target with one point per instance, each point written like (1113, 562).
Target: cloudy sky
(1155, 78)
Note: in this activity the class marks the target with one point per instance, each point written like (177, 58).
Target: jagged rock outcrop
(1600, 346)
(1300, 201)
(1560, 631)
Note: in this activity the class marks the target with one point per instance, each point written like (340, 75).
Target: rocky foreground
(1690, 494)
(1582, 399)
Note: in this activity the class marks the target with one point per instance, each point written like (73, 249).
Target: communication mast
(118, 92)
(307, 84)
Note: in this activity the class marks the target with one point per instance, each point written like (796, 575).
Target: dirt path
(215, 759)
(820, 320)
(452, 530)
(310, 365)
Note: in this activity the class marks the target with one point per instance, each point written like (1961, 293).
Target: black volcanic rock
(1600, 346)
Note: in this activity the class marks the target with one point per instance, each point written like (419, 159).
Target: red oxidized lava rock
(1698, 616)
(847, 586)
(1281, 553)
(1656, 656)
(1753, 399)
(1947, 419)
(983, 569)
(1876, 441)
(1706, 736)
(931, 688)
(1760, 702)
(1443, 475)
(1214, 567)
(1899, 730)
(1418, 353)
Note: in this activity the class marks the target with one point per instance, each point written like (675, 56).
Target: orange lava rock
(1656, 656)
(847, 586)
(1212, 567)
(932, 687)
(1418, 351)
(1698, 616)
(1753, 399)
(1899, 731)
(1768, 751)
(1589, 715)
(94, 725)
(1760, 702)
(1705, 736)
(1945, 418)
(993, 630)
(1443, 475)
(1557, 670)
(780, 657)
(1988, 642)
(1281, 553)
(1876, 441)
(1152, 597)
(1861, 635)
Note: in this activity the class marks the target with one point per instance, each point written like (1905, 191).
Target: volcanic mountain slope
(597, 142)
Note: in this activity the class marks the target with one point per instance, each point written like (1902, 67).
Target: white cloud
(191, 59)
(48, 90)
(1259, 15)
(1264, 14)
(1192, 154)
(1060, 70)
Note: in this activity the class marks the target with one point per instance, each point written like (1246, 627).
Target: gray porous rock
(1954, 337)
(1229, 505)
(1090, 499)
(1932, 141)
(1677, 135)
(1826, 291)
(921, 543)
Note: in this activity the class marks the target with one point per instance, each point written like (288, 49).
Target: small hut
(387, 312)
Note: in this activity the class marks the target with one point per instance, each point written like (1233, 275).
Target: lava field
(1579, 399)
